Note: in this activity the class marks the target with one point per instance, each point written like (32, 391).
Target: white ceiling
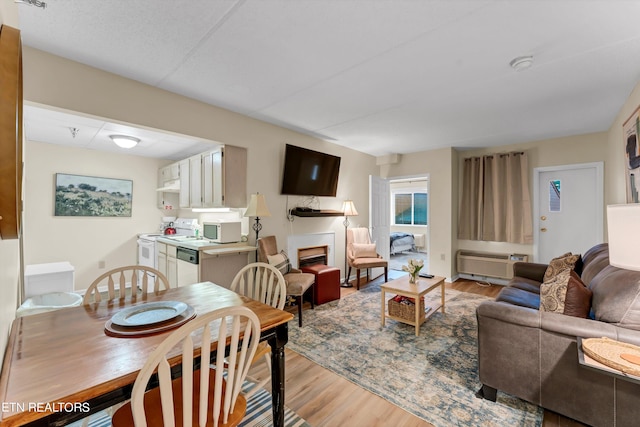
(379, 76)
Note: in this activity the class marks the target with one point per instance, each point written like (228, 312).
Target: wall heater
(487, 263)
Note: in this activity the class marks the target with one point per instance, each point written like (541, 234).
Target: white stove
(147, 245)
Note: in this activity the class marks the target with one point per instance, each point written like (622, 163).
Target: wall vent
(488, 263)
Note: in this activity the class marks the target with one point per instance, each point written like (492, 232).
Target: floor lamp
(257, 208)
(349, 209)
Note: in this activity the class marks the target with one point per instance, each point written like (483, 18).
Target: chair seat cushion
(298, 283)
(123, 417)
(368, 262)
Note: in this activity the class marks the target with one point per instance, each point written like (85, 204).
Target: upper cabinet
(215, 178)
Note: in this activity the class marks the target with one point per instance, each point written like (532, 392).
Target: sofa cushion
(519, 297)
(595, 265)
(525, 284)
(616, 297)
(559, 264)
(554, 291)
(577, 302)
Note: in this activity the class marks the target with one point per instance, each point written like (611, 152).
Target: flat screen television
(309, 173)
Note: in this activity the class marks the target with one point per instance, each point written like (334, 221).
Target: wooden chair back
(116, 283)
(262, 282)
(200, 396)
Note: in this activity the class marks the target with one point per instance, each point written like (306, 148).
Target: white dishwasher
(188, 260)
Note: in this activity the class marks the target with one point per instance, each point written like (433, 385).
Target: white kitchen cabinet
(185, 187)
(162, 257)
(195, 181)
(215, 178)
(211, 182)
(172, 266)
(166, 175)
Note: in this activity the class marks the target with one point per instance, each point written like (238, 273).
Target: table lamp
(257, 208)
(349, 209)
(623, 223)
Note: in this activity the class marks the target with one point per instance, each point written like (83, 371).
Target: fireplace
(312, 255)
(310, 249)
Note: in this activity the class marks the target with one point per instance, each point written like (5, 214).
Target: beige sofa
(533, 354)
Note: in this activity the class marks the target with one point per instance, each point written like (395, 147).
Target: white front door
(568, 209)
(380, 213)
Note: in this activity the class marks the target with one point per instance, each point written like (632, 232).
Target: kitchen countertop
(205, 245)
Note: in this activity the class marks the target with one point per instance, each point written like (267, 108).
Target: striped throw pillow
(280, 261)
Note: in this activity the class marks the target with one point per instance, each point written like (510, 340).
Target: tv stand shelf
(316, 213)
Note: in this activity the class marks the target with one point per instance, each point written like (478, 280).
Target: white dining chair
(262, 282)
(200, 397)
(139, 278)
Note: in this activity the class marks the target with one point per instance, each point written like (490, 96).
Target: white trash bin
(48, 287)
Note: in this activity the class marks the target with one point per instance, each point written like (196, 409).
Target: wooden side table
(401, 286)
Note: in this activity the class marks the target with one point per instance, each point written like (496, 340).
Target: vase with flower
(413, 268)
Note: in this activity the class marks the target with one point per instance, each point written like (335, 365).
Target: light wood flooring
(325, 399)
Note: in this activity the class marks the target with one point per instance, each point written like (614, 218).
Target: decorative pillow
(577, 302)
(557, 265)
(280, 261)
(364, 250)
(553, 292)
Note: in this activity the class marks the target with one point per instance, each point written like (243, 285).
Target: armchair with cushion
(361, 253)
(298, 283)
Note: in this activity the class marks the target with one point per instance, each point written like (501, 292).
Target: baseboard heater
(488, 263)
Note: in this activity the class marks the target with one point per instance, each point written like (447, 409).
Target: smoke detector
(521, 62)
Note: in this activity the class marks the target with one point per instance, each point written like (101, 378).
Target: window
(410, 208)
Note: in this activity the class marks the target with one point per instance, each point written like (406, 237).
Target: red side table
(327, 287)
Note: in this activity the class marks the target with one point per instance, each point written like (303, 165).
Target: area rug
(433, 375)
(258, 413)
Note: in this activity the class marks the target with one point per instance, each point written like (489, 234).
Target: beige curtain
(496, 205)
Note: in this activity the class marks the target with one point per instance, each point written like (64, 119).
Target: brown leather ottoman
(327, 287)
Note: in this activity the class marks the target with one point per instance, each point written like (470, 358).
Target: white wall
(60, 83)
(441, 166)
(85, 241)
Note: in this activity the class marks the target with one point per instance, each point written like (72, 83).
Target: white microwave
(222, 231)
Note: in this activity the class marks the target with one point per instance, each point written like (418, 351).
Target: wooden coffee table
(401, 286)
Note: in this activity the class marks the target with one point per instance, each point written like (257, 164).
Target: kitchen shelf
(317, 213)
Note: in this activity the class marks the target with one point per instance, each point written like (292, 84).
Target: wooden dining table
(61, 366)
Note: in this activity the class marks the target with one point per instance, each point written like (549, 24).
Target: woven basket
(406, 311)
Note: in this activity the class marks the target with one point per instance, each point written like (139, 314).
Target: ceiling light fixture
(124, 141)
(521, 62)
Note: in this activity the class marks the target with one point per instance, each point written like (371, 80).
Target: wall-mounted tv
(309, 173)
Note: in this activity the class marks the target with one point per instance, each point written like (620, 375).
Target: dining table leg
(277, 343)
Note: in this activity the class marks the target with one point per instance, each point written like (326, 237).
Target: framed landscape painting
(630, 132)
(79, 195)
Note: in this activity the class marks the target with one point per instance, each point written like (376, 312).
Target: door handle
(544, 218)
(543, 230)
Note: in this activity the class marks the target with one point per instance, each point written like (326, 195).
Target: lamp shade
(349, 208)
(623, 223)
(257, 206)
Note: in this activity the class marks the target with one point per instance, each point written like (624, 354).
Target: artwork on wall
(79, 195)
(630, 132)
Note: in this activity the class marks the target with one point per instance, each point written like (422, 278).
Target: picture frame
(630, 133)
(90, 196)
